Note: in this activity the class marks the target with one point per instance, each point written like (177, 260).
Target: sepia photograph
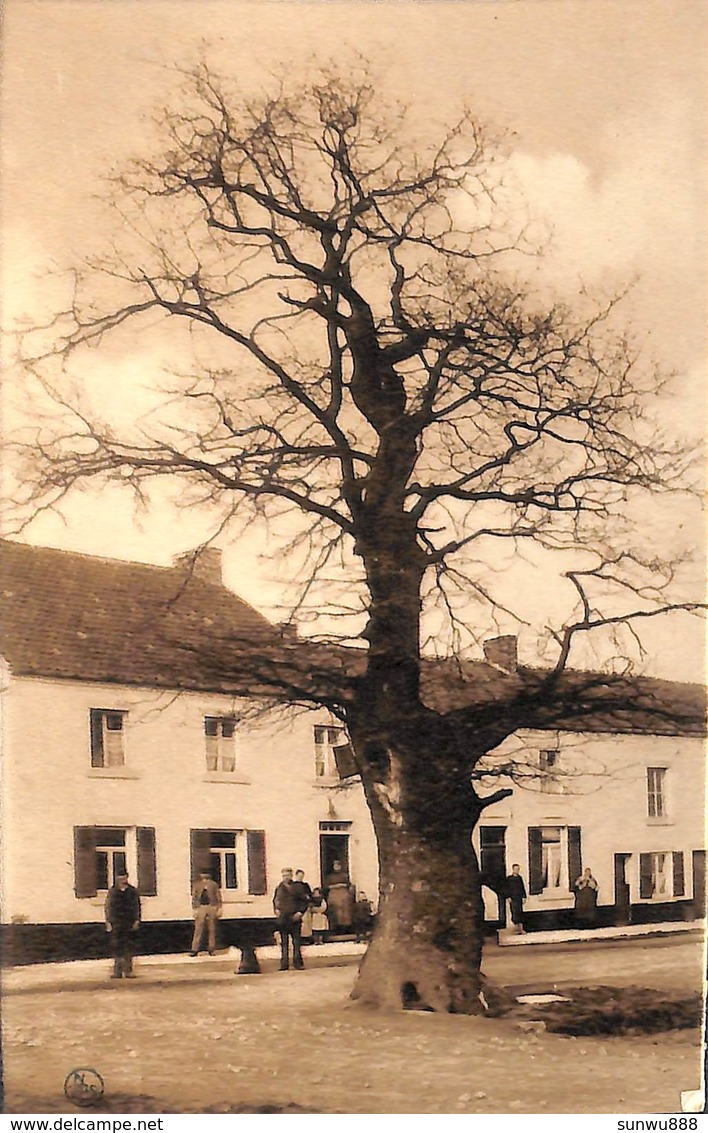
(353, 560)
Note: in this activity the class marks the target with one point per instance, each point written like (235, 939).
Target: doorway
(334, 846)
(492, 864)
(623, 912)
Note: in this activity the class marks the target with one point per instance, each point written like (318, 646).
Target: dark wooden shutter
(200, 852)
(679, 883)
(257, 879)
(575, 857)
(147, 865)
(85, 861)
(97, 757)
(344, 760)
(646, 872)
(535, 860)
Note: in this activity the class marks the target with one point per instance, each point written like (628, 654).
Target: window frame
(225, 747)
(550, 783)
(335, 735)
(138, 851)
(249, 859)
(99, 733)
(656, 792)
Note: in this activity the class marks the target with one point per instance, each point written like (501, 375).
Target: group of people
(585, 890)
(307, 914)
(302, 914)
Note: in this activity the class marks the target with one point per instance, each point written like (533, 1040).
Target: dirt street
(195, 1039)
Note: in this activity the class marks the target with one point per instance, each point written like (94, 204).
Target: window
(548, 763)
(107, 737)
(234, 858)
(555, 859)
(334, 758)
(656, 792)
(101, 851)
(220, 736)
(661, 875)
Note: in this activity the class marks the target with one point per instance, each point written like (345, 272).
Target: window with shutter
(147, 864)
(200, 852)
(575, 859)
(646, 876)
(679, 882)
(535, 861)
(334, 757)
(257, 877)
(85, 861)
(654, 879)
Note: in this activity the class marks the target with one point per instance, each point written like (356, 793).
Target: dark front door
(622, 910)
(699, 882)
(492, 863)
(333, 848)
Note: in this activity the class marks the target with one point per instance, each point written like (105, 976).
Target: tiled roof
(77, 616)
(578, 701)
(105, 620)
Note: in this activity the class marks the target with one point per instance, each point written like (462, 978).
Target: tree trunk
(427, 947)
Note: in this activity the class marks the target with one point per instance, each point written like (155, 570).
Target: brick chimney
(501, 653)
(203, 563)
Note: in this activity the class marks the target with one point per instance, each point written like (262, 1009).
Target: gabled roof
(578, 701)
(85, 618)
(79, 617)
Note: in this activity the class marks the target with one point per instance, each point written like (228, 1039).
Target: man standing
(206, 903)
(289, 903)
(516, 892)
(122, 922)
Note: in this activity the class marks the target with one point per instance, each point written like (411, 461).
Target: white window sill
(225, 777)
(112, 773)
(237, 898)
(557, 896)
(661, 820)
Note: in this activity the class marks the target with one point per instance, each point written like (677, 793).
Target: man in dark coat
(122, 922)
(516, 892)
(289, 903)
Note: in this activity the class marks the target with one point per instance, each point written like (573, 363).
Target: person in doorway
(206, 906)
(516, 894)
(340, 900)
(585, 889)
(289, 905)
(122, 915)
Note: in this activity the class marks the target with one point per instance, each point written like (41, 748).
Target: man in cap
(122, 922)
(206, 904)
(289, 903)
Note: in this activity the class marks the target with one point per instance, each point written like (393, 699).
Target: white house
(631, 806)
(122, 745)
(121, 748)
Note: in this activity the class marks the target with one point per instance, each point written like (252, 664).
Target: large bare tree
(365, 369)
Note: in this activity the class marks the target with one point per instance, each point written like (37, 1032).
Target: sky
(603, 104)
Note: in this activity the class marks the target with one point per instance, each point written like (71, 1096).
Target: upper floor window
(656, 792)
(549, 761)
(220, 738)
(327, 739)
(107, 737)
